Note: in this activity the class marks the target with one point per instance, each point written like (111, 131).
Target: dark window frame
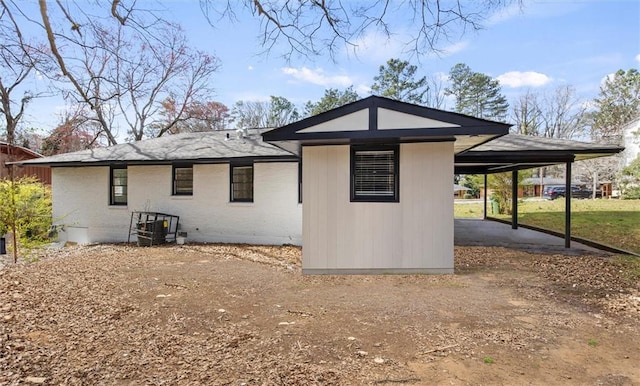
(395, 174)
(174, 182)
(300, 181)
(112, 186)
(232, 182)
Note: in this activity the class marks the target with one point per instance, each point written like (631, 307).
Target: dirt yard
(244, 315)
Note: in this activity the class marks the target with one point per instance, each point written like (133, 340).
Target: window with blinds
(374, 173)
(118, 186)
(182, 180)
(242, 183)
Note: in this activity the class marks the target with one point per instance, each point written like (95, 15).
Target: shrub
(26, 208)
(632, 193)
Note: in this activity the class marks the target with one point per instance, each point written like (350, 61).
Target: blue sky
(544, 45)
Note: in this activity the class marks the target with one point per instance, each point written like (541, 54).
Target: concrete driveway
(492, 233)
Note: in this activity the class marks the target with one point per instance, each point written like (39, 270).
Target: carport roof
(516, 152)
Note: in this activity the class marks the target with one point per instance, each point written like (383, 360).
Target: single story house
(224, 186)
(364, 188)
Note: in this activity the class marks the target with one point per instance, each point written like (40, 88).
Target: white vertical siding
(81, 201)
(413, 235)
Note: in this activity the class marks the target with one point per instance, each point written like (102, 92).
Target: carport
(513, 152)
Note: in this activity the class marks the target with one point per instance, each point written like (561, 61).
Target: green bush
(467, 196)
(632, 193)
(26, 207)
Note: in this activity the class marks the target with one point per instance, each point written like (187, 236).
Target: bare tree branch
(314, 27)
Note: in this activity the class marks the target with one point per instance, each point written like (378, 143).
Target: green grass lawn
(611, 222)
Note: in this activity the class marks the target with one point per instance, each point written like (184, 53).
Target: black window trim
(300, 181)
(234, 165)
(396, 171)
(174, 191)
(112, 201)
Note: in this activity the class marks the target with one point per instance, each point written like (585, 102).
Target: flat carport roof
(513, 152)
(518, 152)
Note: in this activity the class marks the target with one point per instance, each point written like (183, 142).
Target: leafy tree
(472, 181)
(397, 80)
(331, 99)
(476, 94)
(281, 112)
(500, 184)
(25, 212)
(617, 104)
(630, 178)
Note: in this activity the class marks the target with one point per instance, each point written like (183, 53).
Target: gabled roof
(517, 152)
(18, 151)
(376, 119)
(204, 147)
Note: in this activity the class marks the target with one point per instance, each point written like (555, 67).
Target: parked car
(554, 191)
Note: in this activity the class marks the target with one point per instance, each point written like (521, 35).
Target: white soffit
(358, 121)
(465, 142)
(390, 120)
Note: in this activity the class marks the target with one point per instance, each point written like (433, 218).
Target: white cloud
(318, 77)
(377, 47)
(363, 90)
(454, 48)
(506, 13)
(638, 58)
(523, 79)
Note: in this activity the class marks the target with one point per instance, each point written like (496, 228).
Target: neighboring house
(534, 186)
(14, 153)
(631, 141)
(373, 179)
(224, 187)
(459, 191)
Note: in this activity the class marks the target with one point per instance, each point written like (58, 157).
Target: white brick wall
(81, 203)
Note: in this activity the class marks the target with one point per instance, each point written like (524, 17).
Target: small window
(118, 186)
(242, 183)
(183, 180)
(374, 173)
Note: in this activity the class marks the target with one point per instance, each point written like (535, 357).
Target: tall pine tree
(397, 80)
(476, 94)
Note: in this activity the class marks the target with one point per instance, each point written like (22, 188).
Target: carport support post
(567, 207)
(485, 196)
(514, 199)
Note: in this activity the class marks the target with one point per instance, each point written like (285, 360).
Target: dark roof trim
(212, 161)
(468, 125)
(382, 142)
